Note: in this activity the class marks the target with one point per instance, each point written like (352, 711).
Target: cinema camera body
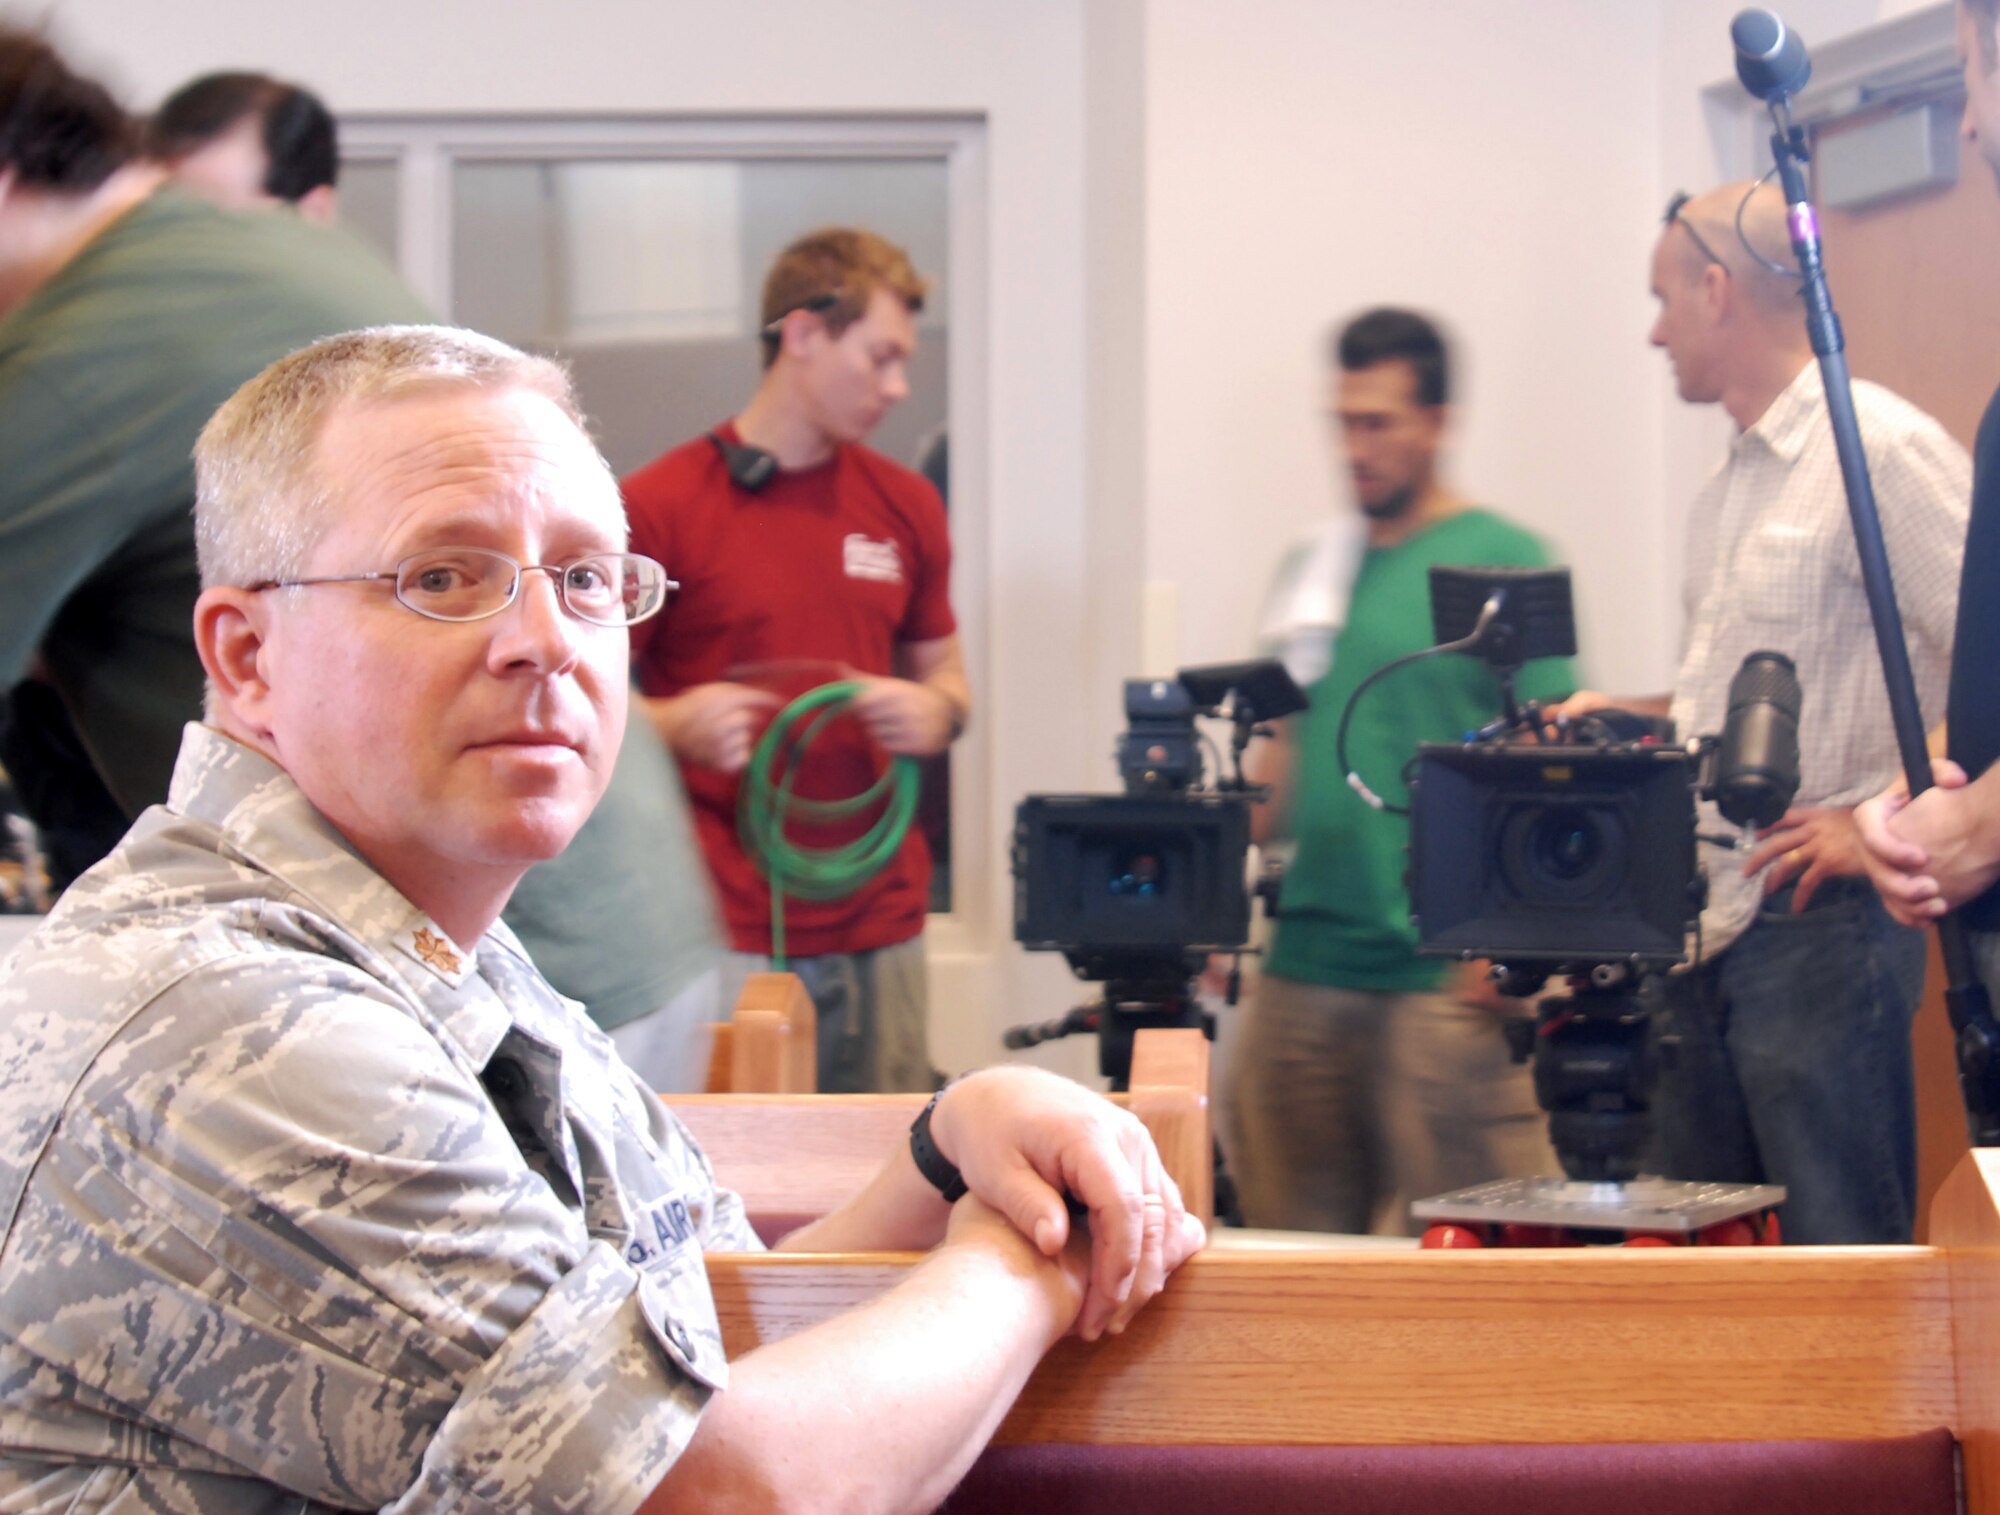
(1137, 890)
(1576, 859)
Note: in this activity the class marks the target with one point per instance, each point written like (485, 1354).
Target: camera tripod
(1594, 1060)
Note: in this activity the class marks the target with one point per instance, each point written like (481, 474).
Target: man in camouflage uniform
(315, 1195)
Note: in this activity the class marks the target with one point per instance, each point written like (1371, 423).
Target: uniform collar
(267, 822)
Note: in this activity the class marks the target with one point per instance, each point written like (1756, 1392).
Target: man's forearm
(951, 686)
(665, 714)
(896, 1211)
(939, 667)
(883, 1408)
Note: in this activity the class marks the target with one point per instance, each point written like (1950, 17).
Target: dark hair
(835, 272)
(58, 130)
(1387, 335)
(300, 139)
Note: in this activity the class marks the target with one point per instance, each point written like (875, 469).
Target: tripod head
(1139, 992)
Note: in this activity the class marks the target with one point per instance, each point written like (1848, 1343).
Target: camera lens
(1567, 843)
(1138, 875)
(1566, 854)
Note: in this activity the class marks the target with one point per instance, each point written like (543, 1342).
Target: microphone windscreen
(1771, 60)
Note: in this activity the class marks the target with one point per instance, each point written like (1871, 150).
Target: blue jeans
(1793, 1066)
(1986, 961)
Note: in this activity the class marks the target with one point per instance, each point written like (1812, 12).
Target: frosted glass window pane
(368, 206)
(648, 250)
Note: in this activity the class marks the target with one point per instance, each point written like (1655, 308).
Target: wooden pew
(769, 1045)
(1668, 1349)
(793, 1157)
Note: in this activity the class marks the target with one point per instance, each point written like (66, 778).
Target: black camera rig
(1569, 852)
(1136, 890)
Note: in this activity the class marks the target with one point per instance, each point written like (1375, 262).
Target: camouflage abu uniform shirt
(304, 1209)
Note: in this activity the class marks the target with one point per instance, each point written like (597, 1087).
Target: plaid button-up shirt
(1772, 564)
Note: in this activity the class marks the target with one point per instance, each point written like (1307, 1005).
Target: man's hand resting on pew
(1022, 1139)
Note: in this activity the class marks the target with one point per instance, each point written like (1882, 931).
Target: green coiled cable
(766, 805)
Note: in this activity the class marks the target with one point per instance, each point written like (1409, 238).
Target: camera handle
(1976, 1034)
(1493, 638)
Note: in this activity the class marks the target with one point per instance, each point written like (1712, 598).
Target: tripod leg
(1226, 1211)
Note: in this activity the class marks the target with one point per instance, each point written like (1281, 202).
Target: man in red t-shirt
(805, 557)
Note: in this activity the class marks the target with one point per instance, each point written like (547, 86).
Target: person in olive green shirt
(1361, 1076)
(130, 313)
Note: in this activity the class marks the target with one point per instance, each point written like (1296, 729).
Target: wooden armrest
(770, 1043)
(1965, 1223)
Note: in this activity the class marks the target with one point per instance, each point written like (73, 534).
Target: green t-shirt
(1344, 913)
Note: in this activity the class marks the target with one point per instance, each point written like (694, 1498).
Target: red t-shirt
(824, 570)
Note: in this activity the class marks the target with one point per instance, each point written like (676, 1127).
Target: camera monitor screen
(1536, 605)
(1553, 854)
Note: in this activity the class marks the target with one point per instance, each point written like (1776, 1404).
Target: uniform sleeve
(327, 1264)
(725, 1222)
(929, 616)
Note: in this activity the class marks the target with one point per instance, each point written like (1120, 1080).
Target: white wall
(1491, 162)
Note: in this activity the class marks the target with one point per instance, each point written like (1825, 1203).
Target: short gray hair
(261, 498)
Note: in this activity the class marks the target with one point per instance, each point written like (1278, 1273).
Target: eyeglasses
(471, 583)
(1674, 217)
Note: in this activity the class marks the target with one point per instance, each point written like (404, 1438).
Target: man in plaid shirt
(1793, 1022)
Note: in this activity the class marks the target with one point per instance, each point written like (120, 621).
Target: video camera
(1137, 889)
(1582, 852)
(1576, 856)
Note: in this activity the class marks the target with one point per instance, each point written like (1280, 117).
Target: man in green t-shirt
(1362, 1076)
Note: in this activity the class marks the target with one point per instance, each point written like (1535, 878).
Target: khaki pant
(1342, 1106)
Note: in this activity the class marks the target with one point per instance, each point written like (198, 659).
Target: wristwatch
(933, 1164)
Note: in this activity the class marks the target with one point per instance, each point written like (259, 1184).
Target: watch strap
(933, 1164)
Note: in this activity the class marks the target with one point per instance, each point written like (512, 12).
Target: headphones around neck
(750, 468)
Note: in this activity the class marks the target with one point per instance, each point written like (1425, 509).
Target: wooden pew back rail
(1760, 1380)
